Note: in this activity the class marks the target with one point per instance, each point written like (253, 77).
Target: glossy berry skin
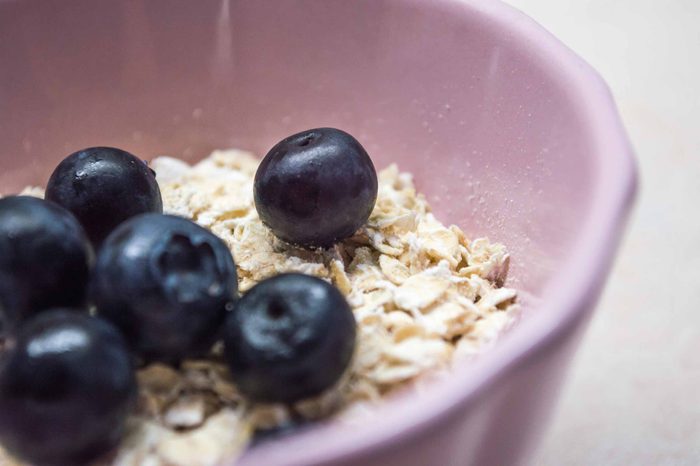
(66, 387)
(103, 187)
(166, 283)
(316, 187)
(45, 259)
(289, 337)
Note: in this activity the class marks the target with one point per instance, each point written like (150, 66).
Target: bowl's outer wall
(500, 427)
(493, 138)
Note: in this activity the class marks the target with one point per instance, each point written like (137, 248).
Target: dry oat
(423, 294)
(419, 290)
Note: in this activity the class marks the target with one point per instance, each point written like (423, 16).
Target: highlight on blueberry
(289, 337)
(45, 259)
(316, 187)
(166, 283)
(67, 384)
(102, 187)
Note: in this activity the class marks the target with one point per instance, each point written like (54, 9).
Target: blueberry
(103, 187)
(66, 387)
(289, 337)
(45, 258)
(10, 309)
(166, 283)
(316, 187)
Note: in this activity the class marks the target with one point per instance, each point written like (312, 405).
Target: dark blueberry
(9, 310)
(316, 187)
(166, 283)
(103, 187)
(66, 387)
(290, 337)
(45, 258)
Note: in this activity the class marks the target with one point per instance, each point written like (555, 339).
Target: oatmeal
(423, 294)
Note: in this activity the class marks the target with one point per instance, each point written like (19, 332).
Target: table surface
(633, 394)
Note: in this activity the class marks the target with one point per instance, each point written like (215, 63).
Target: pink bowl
(509, 133)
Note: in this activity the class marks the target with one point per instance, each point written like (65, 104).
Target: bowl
(508, 132)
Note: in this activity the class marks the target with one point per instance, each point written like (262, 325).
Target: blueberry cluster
(163, 289)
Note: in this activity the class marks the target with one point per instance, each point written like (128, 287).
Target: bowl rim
(571, 294)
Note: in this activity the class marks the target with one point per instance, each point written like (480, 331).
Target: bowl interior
(493, 136)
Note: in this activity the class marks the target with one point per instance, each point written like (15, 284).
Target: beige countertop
(633, 394)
